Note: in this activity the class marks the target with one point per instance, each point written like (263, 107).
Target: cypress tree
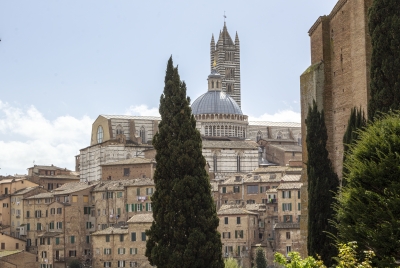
(355, 124)
(261, 261)
(384, 25)
(184, 231)
(322, 185)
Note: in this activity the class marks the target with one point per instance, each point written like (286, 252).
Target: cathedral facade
(231, 144)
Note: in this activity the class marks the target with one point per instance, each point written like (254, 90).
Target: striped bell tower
(225, 56)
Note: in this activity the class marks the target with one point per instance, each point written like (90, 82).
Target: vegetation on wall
(322, 185)
(184, 232)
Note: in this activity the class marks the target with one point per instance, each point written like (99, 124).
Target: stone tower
(225, 56)
(337, 79)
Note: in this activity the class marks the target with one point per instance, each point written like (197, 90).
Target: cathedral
(231, 143)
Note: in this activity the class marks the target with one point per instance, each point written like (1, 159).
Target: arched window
(217, 84)
(279, 135)
(229, 88)
(238, 163)
(119, 130)
(215, 164)
(212, 84)
(143, 134)
(100, 134)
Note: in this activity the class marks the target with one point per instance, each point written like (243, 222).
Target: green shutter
(283, 194)
(130, 251)
(127, 207)
(147, 206)
(28, 226)
(290, 192)
(57, 240)
(290, 207)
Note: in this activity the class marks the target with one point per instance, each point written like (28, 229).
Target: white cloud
(27, 136)
(281, 116)
(142, 110)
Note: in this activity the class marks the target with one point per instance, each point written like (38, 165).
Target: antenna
(224, 16)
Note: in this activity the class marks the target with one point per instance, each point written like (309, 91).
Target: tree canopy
(368, 208)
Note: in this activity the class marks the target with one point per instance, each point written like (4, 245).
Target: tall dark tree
(368, 207)
(184, 232)
(322, 185)
(261, 261)
(355, 124)
(384, 25)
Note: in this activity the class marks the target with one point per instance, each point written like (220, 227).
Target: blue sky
(62, 63)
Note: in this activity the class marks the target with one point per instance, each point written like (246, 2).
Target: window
(149, 191)
(126, 172)
(38, 213)
(143, 236)
(121, 251)
(226, 220)
(88, 225)
(86, 199)
(72, 239)
(142, 134)
(148, 206)
(133, 264)
(250, 201)
(107, 264)
(59, 225)
(28, 213)
(110, 195)
(44, 254)
(107, 251)
(57, 240)
(121, 237)
(215, 168)
(51, 225)
(298, 194)
(286, 206)
(3, 245)
(86, 210)
(107, 238)
(252, 189)
(288, 249)
(38, 226)
(298, 206)
(133, 251)
(226, 235)
(286, 194)
(287, 218)
(287, 235)
(237, 220)
(119, 194)
(16, 245)
(236, 189)
(74, 198)
(121, 263)
(133, 236)
(72, 253)
(224, 190)
(239, 234)
(28, 226)
(238, 163)
(100, 134)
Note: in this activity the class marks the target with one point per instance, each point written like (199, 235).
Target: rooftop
(288, 148)
(111, 230)
(25, 190)
(291, 178)
(274, 124)
(290, 186)
(287, 225)
(148, 217)
(5, 253)
(234, 210)
(120, 184)
(135, 117)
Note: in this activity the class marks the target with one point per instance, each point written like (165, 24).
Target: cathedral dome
(215, 102)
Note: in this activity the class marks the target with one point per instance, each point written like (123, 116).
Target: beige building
(337, 79)
(58, 224)
(287, 230)
(132, 168)
(17, 208)
(239, 230)
(122, 246)
(51, 177)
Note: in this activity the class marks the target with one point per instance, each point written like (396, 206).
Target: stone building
(337, 79)
(51, 177)
(17, 208)
(58, 224)
(137, 167)
(122, 246)
(239, 230)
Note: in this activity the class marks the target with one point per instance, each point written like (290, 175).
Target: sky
(63, 63)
